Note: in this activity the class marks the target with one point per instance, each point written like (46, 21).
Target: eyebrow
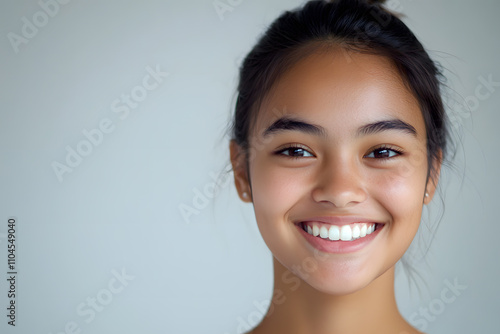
(391, 124)
(293, 124)
(288, 123)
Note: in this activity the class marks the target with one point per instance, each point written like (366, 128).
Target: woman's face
(339, 141)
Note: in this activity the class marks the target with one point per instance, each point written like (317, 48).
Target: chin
(339, 284)
(342, 277)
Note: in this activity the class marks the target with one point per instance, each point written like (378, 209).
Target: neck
(298, 308)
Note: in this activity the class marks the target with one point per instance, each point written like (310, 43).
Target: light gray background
(120, 208)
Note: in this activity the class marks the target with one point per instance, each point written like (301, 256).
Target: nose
(340, 183)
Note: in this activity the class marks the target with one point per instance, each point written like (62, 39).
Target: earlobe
(238, 163)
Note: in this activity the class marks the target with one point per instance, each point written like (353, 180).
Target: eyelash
(396, 150)
(379, 148)
(291, 147)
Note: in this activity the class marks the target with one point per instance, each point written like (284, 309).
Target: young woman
(338, 138)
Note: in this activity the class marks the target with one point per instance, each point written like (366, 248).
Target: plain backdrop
(104, 244)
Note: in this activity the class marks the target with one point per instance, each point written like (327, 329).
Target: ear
(432, 180)
(238, 161)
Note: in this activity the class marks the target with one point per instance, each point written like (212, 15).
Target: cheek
(401, 195)
(275, 190)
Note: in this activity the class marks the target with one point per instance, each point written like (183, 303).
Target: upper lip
(338, 220)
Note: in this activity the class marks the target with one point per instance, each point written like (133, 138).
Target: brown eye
(383, 153)
(295, 152)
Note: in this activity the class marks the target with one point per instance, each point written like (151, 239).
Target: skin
(340, 174)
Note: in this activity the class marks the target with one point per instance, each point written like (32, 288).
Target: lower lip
(339, 246)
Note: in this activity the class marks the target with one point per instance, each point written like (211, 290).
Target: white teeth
(334, 233)
(344, 233)
(362, 233)
(356, 231)
(315, 230)
(323, 232)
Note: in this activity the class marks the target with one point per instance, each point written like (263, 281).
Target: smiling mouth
(348, 232)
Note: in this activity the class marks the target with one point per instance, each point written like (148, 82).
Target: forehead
(341, 91)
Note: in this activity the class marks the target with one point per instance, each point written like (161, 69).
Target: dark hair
(355, 26)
